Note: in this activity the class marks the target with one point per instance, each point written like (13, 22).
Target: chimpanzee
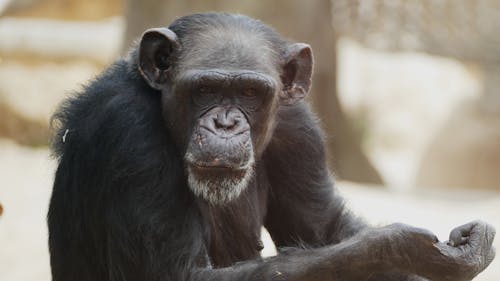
(173, 158)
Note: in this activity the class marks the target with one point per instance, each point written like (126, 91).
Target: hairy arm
(305, 210)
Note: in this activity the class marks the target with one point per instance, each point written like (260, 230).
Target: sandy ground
(25, 183)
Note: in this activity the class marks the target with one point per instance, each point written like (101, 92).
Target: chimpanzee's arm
(305, 210)
(304, 206)
(373, 254)
(341, 262)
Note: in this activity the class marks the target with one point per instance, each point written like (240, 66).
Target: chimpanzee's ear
(155, 49)
(297, 73)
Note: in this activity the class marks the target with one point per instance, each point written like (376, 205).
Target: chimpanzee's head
(222, 79)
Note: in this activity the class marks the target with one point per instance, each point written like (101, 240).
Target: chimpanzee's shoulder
(116, 102)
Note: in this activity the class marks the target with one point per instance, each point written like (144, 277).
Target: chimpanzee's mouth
(217, 167)
(218, 163)
(212, 172)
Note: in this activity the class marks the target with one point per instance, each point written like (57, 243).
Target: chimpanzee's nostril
(221, 122)
(216, 123)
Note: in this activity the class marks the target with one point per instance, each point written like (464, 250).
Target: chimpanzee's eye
(250, 92)
(205, 90)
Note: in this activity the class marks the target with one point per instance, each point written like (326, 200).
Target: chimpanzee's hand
(468, 252)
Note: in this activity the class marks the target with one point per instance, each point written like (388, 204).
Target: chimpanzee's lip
(216, 167)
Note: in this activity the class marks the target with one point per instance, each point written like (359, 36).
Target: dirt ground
(25, 185)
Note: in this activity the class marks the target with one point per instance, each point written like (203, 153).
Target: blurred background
(407, 91)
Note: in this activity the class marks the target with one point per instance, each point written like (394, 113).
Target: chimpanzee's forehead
(228, 47)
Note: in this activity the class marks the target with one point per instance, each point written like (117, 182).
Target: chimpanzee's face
(229, 117)
(220, 94)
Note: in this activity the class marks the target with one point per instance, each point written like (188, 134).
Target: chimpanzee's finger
(459, 235)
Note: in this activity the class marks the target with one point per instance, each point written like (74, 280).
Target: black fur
(121, 208)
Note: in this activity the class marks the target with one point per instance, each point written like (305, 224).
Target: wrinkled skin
(467, 253)
(172, 160)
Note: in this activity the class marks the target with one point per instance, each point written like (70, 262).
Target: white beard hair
(222, 189)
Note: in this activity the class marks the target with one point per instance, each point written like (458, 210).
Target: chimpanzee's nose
(228, 120)
(222, 121)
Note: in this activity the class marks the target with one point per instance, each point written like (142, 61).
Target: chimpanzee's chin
(218, 185)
